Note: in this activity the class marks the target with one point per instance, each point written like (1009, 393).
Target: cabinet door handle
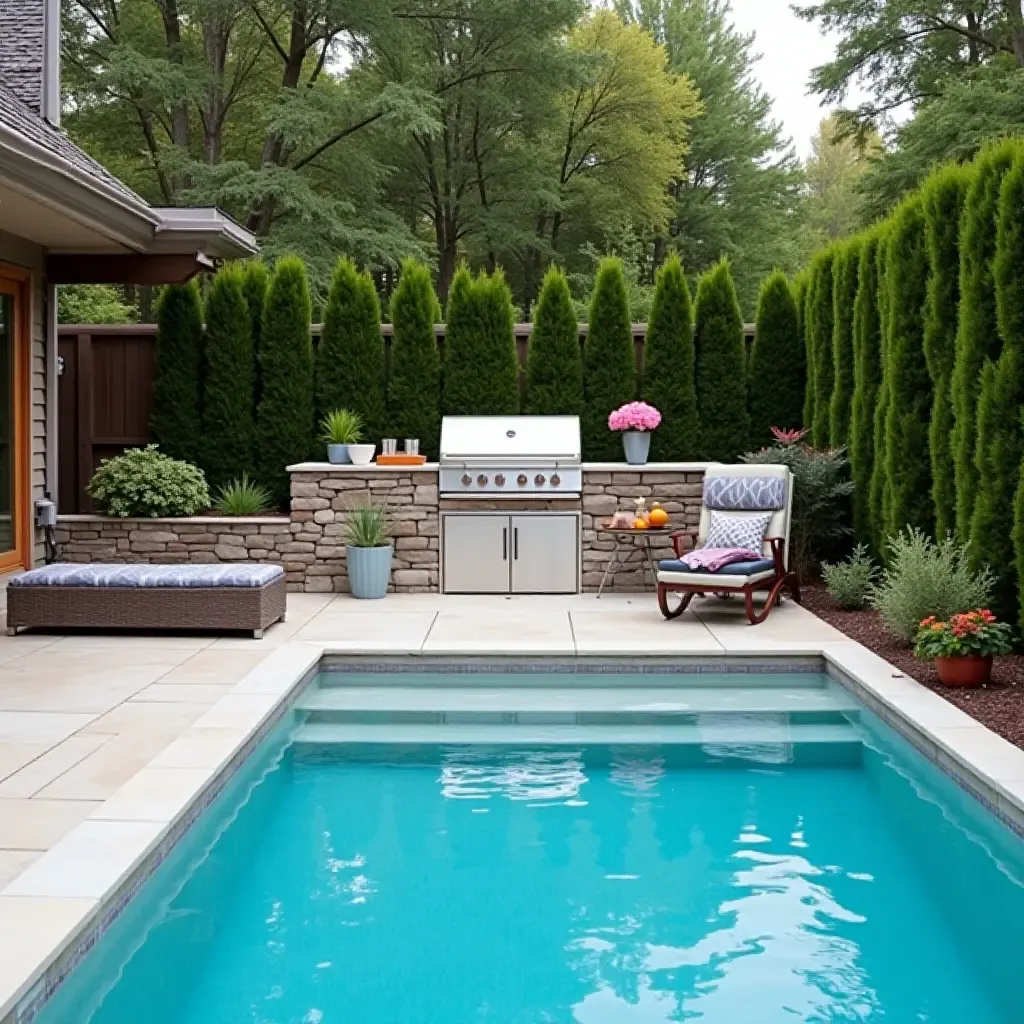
(504, 543)
(515, 543)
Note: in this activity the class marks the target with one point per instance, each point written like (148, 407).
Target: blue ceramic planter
(369, 571)
(337, 454)
(637, 446)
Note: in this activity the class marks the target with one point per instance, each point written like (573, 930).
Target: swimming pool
(729, 849)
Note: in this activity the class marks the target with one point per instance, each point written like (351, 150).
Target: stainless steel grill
(533, 456)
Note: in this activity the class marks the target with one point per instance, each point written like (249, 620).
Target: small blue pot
(337, 454)
(369, 571)
(637, 446)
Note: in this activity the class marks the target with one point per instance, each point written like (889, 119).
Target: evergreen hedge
(943, 197)
(806, 336)
(350, 355)
(668, 382)
(554, 365)
(844, 296)
(978, 334)
(257, 280)
(284, 421)
(821, 325)
(609, 362)
(778, 372)
(175, 421)
(721, 371)
(907, 463)
(879, 488)
(226, 446)
(481, 371)
(414, 386)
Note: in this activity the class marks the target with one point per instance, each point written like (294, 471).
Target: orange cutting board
(401, 460)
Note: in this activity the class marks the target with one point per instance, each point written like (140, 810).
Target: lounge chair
(742, 491)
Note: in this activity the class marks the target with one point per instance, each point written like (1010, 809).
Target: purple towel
(713, 559)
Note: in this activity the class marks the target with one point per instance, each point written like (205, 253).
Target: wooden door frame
(17, 282)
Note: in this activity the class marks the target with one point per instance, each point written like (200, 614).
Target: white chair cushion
(712, 581)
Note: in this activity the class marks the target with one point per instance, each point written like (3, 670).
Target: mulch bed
(1000, 705)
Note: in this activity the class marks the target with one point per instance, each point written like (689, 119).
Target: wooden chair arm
(778, 546)
(676, 536)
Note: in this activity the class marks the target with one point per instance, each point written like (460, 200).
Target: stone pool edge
(71, 904)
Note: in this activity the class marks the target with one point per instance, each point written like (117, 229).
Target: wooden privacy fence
(105, 394)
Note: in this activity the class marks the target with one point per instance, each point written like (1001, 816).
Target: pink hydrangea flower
(634, 416)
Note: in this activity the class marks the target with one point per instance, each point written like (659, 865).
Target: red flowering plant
(976, 632)
(789, 435)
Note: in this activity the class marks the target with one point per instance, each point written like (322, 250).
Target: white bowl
(361, 454)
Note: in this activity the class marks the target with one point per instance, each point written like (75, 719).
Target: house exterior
(64, 220)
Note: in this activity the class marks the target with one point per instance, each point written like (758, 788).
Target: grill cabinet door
(476, 554)
(545, 554)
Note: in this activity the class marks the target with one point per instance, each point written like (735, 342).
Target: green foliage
(226, 445)
(968, 633)
(668, 381)
(1018, 545)
(924, 577)
(907, 465)
(284, 422)
(350, 357)
(554, 366)
(257, 280)
(778, 371)
(609, 363)
(978, 335)
(878, 496)
(414, 387)
(174, 423)
(93, 304)
(806, 316)
(368, 527)
(846, 270)
(480, 367)
(721, 368)
(242, 497)
(849, 583)
(943, 198)
(821, 328)
(867, 372)
(341, 426)
(146, 483)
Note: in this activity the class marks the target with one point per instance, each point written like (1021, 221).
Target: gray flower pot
(369, 571)
(637, 446)
(338, 454)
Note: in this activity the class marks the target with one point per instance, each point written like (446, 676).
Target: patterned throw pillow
(747, 493)
(737, 531)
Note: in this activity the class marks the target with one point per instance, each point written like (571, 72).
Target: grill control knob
(555, 480)
(466, 479)
(482, 480)
(521, 480)
(500, 480)
(539, 479)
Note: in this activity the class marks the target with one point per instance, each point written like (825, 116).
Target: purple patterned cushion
(96, 574)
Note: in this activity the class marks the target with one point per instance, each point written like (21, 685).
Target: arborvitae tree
(807, 337)
(609, 362)
(844, 295)
(907, 466)
(721, 368)
(777, 369)
(256, 282)
(879, 492)
(175, 420)
(414, 386)
(943, 197)
(226, 445)
(1018, 545)
(284, 422)
(350, 356)
(821, 347)
(977, 334)
(554, 364)
(867, 372)
(1000, 444)
(480, 366)
(669, 367)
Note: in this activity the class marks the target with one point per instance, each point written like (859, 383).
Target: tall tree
(778, 371)
(822, 326)
(878, 494)
(844, 296)
(807, 336)
(668, 381)
(554, 368)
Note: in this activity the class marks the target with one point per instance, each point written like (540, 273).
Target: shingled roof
(22, 48)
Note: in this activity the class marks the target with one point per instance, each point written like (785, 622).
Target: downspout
(49, 104)
(52, 384)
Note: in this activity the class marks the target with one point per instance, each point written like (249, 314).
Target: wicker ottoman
(98, 596)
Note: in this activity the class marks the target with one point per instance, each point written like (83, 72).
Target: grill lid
(510, 438)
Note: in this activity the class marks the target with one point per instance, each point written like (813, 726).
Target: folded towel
(713, 559)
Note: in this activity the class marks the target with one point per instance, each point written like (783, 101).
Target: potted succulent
(964, 646)
(636, 420)
(368, 551)
(341, 428)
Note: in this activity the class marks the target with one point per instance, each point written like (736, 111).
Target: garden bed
(1000, 705)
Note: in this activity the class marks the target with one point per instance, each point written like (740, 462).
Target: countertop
(432, 467)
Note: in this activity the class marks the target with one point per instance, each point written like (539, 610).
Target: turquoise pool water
(635, 884)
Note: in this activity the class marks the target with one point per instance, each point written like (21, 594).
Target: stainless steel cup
(412, 446)
(389, 446)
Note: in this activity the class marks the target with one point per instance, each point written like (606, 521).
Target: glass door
(13, 409)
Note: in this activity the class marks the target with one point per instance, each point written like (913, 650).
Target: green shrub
(821, 326)
(414, 387)
(609, 362)
(668, 382)
(844, 297)
(146, 483)
(368, 527)
(481, 371)
(1018, 546)
(174, 423)
(242, 497)
(907, 464)
(821, 491)
(257, 280)
(923, 578)
(284, 422)
(341, 426)
(721, 362)
(849, 583)
(977, 334)
(226, 446)
(778, 371)
(554, 365)
(350, 356)
(806, 309)
(878, 498)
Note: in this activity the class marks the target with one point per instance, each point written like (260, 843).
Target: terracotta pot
(964, 669)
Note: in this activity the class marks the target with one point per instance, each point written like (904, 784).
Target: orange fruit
(639, 524)
(658, 517)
